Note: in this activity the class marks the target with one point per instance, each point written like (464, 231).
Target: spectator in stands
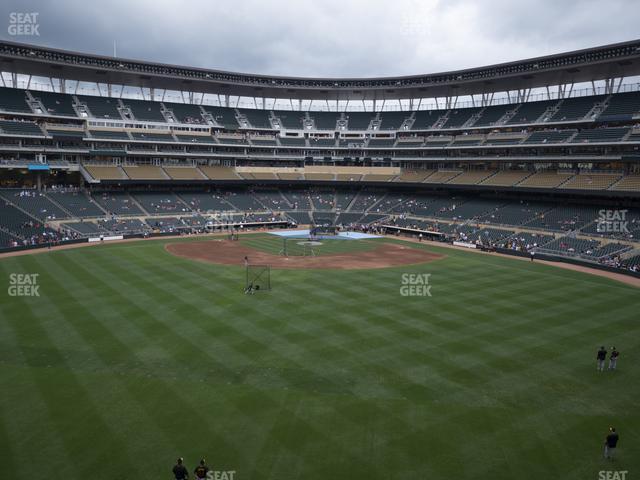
(201, 470)
(611, 443)
(613, 358)
(601, 357)
(180, 471)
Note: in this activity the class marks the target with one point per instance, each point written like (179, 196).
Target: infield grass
(131, 357)
(274, 245)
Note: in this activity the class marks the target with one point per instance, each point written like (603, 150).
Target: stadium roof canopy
(591, 64)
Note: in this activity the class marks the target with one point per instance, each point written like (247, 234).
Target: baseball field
(451, 365)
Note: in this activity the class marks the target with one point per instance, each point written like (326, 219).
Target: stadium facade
(541, 153)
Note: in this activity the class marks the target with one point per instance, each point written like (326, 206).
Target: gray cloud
(329, 38)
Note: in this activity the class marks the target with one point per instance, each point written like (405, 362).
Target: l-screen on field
(135, 353)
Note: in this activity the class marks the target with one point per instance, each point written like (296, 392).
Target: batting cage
(257, 278)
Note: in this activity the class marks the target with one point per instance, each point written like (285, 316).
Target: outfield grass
(131, 357)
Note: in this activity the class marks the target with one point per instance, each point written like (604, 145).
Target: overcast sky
(328, 38)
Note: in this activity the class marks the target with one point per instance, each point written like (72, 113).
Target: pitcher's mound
(233, 253)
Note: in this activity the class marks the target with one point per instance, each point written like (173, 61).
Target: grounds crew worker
(201, 470)
(180, 471)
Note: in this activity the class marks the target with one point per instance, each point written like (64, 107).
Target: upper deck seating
(225, 117)
(392, 120)
(256, 118)
(458, 117)
(575, 108)
(492, 115)
(325, 120)
(144, 110)
(359, 120)
(56, 103)
(425, 119)
(289, 119)
(623, 105)
(14, 100)
(530, 112)
(101, 107)
(186, 113)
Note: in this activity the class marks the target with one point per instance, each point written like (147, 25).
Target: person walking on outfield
(610, 443)
(613, 358)
(602, 356)
(179, 470)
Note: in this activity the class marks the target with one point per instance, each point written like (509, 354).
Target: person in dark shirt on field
(201, 470)
(610, 443)
(602, 356)
(180, 471)
(613, 358)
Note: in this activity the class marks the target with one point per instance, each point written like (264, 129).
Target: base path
(225, 252)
